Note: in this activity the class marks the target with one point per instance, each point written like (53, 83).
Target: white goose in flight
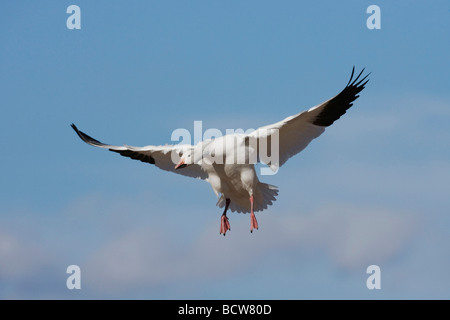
(216, 160)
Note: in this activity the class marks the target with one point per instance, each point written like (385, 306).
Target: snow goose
(235, 182)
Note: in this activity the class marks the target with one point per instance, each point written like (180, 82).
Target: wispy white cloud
(150, 255)
(19, 257)
(351, 237)
(414, 120)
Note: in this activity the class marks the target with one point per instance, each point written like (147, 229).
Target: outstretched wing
(296, 132)
(160, 156)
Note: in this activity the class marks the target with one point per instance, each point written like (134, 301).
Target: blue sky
(373, 189)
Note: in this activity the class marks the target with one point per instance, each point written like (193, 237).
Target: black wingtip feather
(83, 136)
(356, 79)
(363, 85)
(360, 81)
(135, 155)
(351, 76)
(338, 105)
(126, 153)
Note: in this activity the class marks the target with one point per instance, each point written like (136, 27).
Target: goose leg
(253, 222)
(224, 223)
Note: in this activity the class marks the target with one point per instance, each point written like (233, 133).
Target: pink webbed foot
(224, 224)
(253, 221)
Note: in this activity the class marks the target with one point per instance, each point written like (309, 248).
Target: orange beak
(180, 164)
